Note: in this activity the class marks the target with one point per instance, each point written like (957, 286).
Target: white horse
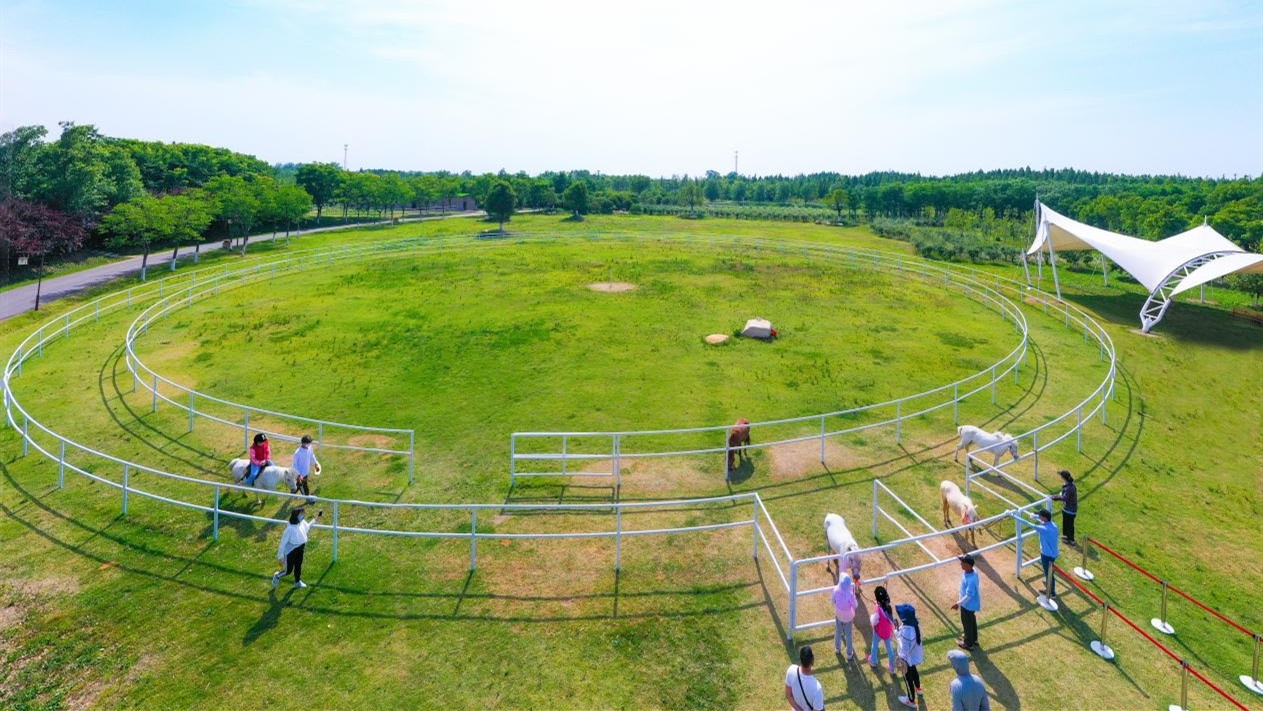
(956, 502)
(995, 442)
(842, 543)
(268, 479)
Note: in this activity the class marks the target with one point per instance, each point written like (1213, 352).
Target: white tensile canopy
(1166, 267)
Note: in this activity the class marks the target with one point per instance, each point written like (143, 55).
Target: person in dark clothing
(1069, 498)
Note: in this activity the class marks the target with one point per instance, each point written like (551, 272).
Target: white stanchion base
(1176, 707)
(1255, 685)
(1046, 603)
(1083, 573)
(1102, 650)
(1163, 627)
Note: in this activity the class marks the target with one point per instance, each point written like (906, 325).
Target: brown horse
(738, 439)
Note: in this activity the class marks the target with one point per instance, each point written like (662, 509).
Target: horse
(738, 440)
(268, 479)
(843, 545)
(961, 505)
(995, 442)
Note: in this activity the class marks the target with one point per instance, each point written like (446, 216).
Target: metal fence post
(822, 439)
(215, 518)
(1035, 449)
(1160, 623)
(61, 466)
(320, 433)
(793, 600)
(26, 434)
(192, 406)
(754, 518)
(956, 403)
(473, 539)
(155, 393)
(1017, 572)
(127, 470)
(618, 470)
(874, 509)
(513, 460)
(993, 396)
(618, 537)
(412, 454)
(335, 531)
(899, 422)
(245, 432)
(1078, 428)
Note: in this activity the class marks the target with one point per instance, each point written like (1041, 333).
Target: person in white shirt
(305, 463)
(802, 691)
(293, 543)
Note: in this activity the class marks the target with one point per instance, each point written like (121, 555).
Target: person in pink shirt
(844, 604)
(260, 457)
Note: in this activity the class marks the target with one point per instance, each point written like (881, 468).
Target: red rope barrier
(1077, 584)
(1173, 589)
(1222, 693)
(1149, 637)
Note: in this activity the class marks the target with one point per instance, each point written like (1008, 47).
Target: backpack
(882, 624)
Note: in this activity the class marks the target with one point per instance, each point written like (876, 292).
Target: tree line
(87, 188)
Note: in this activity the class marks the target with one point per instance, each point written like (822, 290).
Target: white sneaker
(300, 584)
(276, 579)
(908, 702)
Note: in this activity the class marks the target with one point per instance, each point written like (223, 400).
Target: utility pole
(344, 147)
(734, 163)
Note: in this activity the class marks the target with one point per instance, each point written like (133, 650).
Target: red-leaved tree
(34, 230)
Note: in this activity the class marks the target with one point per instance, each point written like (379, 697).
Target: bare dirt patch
(798, 458)
(10, 616)
(1139, 332)
(611, 286)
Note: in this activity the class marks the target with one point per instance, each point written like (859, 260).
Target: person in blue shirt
(969, 604)
(1049, 546)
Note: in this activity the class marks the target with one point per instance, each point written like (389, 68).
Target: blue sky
(660, 87)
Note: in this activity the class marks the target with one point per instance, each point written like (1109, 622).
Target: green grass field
(468, 345)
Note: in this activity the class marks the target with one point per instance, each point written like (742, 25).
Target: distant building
(463, 203)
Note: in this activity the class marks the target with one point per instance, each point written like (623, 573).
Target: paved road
(22, 299)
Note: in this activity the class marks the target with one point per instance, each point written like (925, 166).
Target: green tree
(140, 222)
(19, 154)
(84, 175)
(395, 192)
(691, 195)
(542, 195)
(189, 213)
(291, 204)
(575, 199)
(838, 200)
(321, 181)
(500, 202)
(1249, 283)
(237, 204)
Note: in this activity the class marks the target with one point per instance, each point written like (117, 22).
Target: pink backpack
(882, 625)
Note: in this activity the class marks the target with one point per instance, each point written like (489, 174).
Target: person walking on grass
(968, 691)
(802, 691)
(883, 622)
(293, 544)
(1069, 498)
(911, 652)
(844, 604)
(1048, 550)
(969, 603)
(305, 463)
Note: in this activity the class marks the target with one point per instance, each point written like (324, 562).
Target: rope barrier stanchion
(1160, 623)
(1183, 705)
(1098, 645)
(1253, 682)
(1081, 571)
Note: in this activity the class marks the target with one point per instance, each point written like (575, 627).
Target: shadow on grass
(1186, 322)
(356, 602)
(140, 430)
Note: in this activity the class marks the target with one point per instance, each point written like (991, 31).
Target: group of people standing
(900, 631)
